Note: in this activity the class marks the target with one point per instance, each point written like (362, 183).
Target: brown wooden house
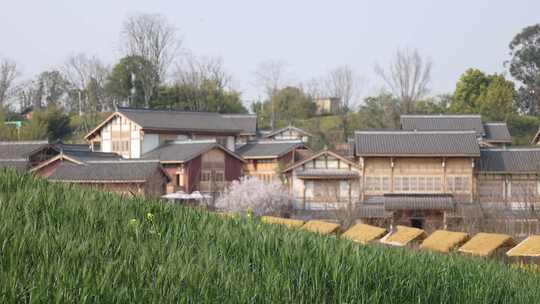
(324, 181)
(127, 177)
(266, 158)
(134, 132)
(198, 165)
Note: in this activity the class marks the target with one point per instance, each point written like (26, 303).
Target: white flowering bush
(251, 195)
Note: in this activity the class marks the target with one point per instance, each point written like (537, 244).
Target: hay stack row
(481, 244)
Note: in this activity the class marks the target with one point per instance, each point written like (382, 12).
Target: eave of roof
(316, 155)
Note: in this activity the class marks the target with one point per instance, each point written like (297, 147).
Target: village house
(288, 133)
(417, 177)
(324, 181)
(197, 165)
(327, 105)
(134, 132)
(489, 134)
(266, 158)
(127, 177)
(22, 155)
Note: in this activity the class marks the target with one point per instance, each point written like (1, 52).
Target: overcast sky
(311, 36)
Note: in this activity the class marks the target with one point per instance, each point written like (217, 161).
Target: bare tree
(271, 75)
(343, 83)
(194, 71)
(153, 38)
(87, 75)
(407, 77)
(8, 74)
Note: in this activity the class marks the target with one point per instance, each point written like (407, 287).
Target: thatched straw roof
(444, 241)
(291, 223)
(363, 233)
(530, 247)
(403, 236)
(484, 244)
(320, 227)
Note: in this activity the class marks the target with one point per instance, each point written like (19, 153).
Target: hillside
(64, 244)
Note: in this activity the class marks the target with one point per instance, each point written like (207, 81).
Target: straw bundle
(484, 244)
(403, 236)
(444, 241)
(363, 233)
(530, 247)
(321, 227)
(290, 223)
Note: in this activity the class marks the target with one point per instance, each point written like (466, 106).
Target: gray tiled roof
(416, 143)
(245, 122)
(268, 148)
(107, 171)
(419, 202)
(180, 120)
(327, 173)
(83, 152)
(19, 149)
(525, 159)
(293, 128)
(180, 151)
(18, 164)
(497, 132)
(373, 209)
(443, 123)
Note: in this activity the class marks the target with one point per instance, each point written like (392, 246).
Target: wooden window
(397, 184)
(206, 176)
(405, 184)
(421, 184)
(385, 183)
(457, 184)
(326, 190)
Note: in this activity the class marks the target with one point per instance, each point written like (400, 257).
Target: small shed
(485, 244)
(290, 223)
(403, 236)
(320, 227)
(363, 233)
(530, 247)
(444, 241)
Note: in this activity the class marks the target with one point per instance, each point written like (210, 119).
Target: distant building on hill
(327, 105)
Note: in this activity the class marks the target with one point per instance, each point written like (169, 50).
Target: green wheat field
(61, 244)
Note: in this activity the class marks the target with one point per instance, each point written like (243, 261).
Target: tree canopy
(525, 67)
(492, 96)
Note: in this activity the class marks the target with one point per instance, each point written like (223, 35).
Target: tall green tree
(285, 106)
(381, 111)
(50, 123)
(127, 81)
(492, 96)
(207, 96)
(525, 67)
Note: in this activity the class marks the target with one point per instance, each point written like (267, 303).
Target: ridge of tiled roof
(416, 143)
(268, 148)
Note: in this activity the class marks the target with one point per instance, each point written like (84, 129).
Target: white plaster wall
(230, 143)
(106, 145)
(135, 143)
(150, 142)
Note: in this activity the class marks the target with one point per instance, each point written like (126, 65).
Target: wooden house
(23, 155)
(134, 132)
(197, 165)
(288, 133)
(127, 177)
(417, 176)
(266, 158)
(489, 134)
(324, 181)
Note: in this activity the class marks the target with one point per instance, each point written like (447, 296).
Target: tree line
(155, 71)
